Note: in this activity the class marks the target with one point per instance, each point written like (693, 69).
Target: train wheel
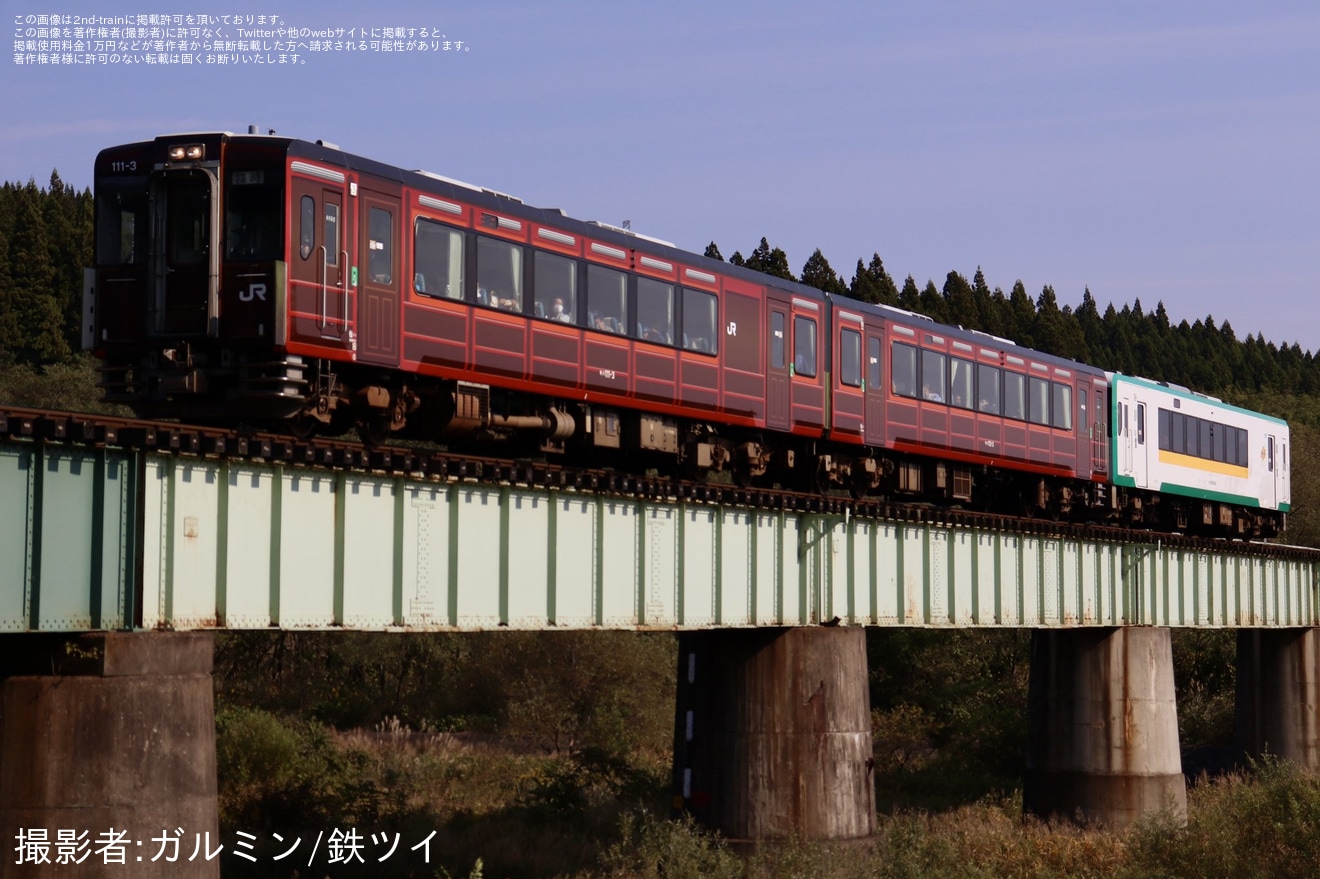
(302, 425)
(374, 430)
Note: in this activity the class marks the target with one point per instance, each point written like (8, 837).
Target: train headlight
(187, 151)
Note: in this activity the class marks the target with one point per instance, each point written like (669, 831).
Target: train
(263, 279)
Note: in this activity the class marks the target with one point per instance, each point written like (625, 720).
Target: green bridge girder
(110, 539)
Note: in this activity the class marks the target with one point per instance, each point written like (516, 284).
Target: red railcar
(263, 278)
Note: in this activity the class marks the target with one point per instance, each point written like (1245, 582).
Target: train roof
(1181, 392)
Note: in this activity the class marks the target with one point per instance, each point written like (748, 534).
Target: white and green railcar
(1194, 460)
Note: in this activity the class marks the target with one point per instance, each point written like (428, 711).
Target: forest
(548, 754)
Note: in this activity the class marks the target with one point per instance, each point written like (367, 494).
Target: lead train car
(260, 278)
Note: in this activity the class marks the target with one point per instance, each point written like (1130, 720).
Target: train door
(1097, 427)
(1273, 454)
(875, 386)
(778, 402)
(379, 268)
(1137, 442)
(186, 268)
(318, 269)
(1131, 415)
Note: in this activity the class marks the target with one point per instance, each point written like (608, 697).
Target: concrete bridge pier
(1103, 726)
(109, 731)
(772, 733)
(1278, 691)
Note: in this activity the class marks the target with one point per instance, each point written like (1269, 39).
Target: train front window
(121, 222)
(189, 229)
(253, 217)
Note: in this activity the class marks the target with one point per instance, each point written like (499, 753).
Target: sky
(1146, 151)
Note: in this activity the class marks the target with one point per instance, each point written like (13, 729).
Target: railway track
(444, 465)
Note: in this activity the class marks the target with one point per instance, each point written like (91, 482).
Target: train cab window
(306, 226)
(121, 224)
(499, 274)
(607, 299)
(804, 346)
(254, 211)
(699, 321)
(960, 383)
(1015, 396)
(1062, 411)
(1038, 401)
(655, 312)
(330, 237)
(850, 358)
(987, 389)
(933, 377)
(776, 340)
(380, 243)
(188, 234)
(555, 283)
(903, 370)
(1269, 461)
(438, 260)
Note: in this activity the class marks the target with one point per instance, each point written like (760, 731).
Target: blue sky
(1160, 151)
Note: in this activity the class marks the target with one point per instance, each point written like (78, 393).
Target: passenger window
(1015, 396)
(804, 346)
(932, 377)
(1038, 403)
(607, 299)
(776, 340)
(960, 383)
(699, 321)
(438, 260)
(331, 236)
(555, 283)
(873, 358)
(1141, 424)
(380, 243)
(850, 358)
(987, 389)
(903, 371)
(1270, 452)
(655, 312)
(1062, 407)
(307, 226)
(499, 274)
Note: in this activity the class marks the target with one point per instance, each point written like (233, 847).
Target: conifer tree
(818, 273)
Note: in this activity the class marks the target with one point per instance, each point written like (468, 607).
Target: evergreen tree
(32, 326)
(771, 261)
(960, 302)
(818, 273)
(910, 298)
(1021, 319)
(932, 303)
(871, 283)
(713, 252)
